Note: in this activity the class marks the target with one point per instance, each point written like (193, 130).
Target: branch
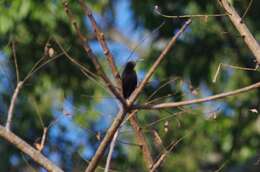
(200, 100)
(148, 160)
(12, 104)
(157, 11)
(20, 84)
(242, 29)
(28, 150)
(109, 157)
(120, 116)
(139, 89)
(92, 56)
(101, 39)
(106, 140)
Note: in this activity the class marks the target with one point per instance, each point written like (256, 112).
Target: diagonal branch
(157, 63)
(200, 100)
(106, 140)
(148, 160)
(101, 39)
(28, 150)
(241, 27)
(92, 56)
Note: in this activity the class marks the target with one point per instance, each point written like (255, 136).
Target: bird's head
(130, 65)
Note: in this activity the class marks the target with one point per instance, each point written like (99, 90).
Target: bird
(129, 79)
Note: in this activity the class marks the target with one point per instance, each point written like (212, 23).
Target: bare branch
(101, 39)
(242, 29)
(106, 140)
(28, 150)
(231, 66)
(38, 65)
(200, 100)
(109, 157)
(92, 56)
(148, 160)
(12, 104)
(157, 62)
(156, 9)
(15, 62)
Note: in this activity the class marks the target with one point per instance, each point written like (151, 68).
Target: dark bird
(129, 79)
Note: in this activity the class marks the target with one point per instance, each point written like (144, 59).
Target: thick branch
(157, 62)
(28, 150)
(148, 160)
(200, 100)
(242, 29)
(101, 39)
(106, 140)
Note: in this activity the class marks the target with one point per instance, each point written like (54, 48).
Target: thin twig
(156, 9)
(40, 65)
(247, 9)
(162, 86)
(82, 68)
(200, 100)
(19, 86)
(230, 66)
(164, 154)
(139, 43)
(15, 62)
(111, 149)
(163, 119)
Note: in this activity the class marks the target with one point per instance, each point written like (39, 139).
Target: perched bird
(129, 79)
